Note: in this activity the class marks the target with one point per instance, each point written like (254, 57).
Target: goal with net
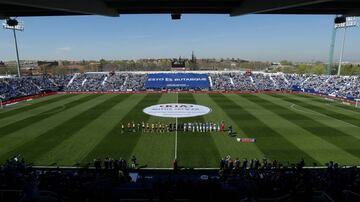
(2, 97)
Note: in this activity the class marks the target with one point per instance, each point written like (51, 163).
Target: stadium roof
(11, 8)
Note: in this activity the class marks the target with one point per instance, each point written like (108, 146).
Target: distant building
(25, 64)
(275, 64)
(178, 64)
(48, 63)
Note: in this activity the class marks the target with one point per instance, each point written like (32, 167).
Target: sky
(298, 38)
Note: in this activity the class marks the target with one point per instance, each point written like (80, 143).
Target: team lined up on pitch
(158, 127)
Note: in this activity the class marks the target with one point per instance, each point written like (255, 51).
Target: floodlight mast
(332, 47)
(350, 22)
(340, 22)
(342, 52)
(14, 25)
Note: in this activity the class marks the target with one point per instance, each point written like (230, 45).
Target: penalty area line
(293, 106)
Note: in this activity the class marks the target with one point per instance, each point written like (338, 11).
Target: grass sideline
(72, 130)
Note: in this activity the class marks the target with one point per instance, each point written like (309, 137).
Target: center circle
(177, 110)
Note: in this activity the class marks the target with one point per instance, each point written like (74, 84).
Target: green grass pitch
(68, 130)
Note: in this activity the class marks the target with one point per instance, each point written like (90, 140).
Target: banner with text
(177, 80)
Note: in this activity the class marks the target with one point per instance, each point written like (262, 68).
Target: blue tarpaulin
(177, 80)
(296, 88)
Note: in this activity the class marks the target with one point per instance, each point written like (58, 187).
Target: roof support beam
(262, 6)
(93, 7)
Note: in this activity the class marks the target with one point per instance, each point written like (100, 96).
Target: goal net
(1, 101)
(357, 103)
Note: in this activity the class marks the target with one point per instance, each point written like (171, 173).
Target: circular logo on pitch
(177, 110)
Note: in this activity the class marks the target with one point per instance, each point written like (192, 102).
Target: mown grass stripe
(196, 149)
(322, 100)
(74, 148)
(54, 136)
(332, 135)
(321, 110)
(335, 103)
(271, 143)
(33, 106)
(117, 145)
(10, 142)
(8, 129)
(12, 119)
(313, 145)
(227, 145)
(157, 149)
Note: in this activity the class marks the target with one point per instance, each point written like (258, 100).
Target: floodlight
(176, 16)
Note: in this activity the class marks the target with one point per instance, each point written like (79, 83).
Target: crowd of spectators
(271, 179)
(135, 82)
(12, 88)
(86, 82)
(112, 180)
(341, 86)
(106, 82)
(115, 82)
(57, 184)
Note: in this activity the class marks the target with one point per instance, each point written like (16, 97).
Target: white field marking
(15, 105)
(292, 106)
(176, 122)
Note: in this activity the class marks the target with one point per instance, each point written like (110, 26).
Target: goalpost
(1, 102)
(357, 103)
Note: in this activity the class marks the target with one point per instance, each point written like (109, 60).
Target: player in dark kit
(230, 131)
(129, 127)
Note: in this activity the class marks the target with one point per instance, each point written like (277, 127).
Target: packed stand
(44, 83)
(61, 81)
(135, 82)
(270, 179)
(221, 81)
(281, 83)
(295, 79)
(87, 82)
(111, 179)
(340, 86)
(243, 82)
(115, 82)
(13, 87)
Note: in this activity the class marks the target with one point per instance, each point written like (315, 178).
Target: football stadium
(162, 129)
(100, 115)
